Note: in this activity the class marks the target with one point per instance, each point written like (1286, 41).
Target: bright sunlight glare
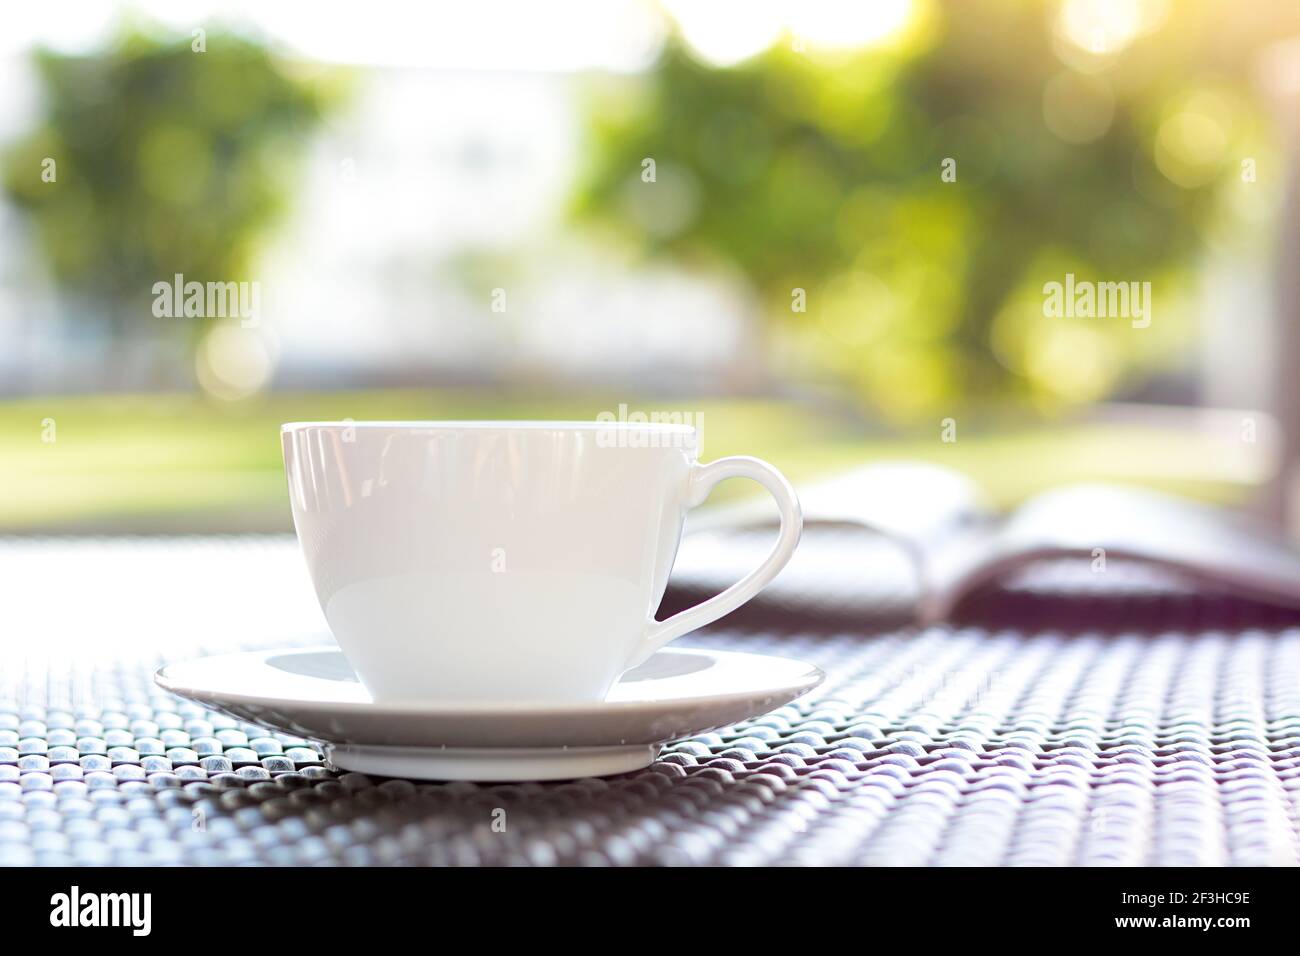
(726, 32)
(835, 24)
(1101, 27)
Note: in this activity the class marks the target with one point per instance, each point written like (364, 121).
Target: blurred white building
(428, 240)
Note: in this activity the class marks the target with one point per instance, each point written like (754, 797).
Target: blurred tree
(922, 193)
(166, 160)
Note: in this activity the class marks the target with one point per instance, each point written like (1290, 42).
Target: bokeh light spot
(234, 362)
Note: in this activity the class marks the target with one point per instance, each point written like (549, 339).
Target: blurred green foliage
(167, 160)
(824, 173)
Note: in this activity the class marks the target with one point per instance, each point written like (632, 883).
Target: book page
(865, 530)
(1101, 522)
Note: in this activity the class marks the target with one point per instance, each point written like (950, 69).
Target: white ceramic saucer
(313, 692)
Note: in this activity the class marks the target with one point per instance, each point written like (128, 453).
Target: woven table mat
(1131, 722)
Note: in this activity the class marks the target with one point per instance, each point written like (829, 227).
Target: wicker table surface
(1063, 720)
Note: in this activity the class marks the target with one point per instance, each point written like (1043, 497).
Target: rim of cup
(538, 425)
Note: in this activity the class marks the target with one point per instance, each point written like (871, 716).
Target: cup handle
(702, 480)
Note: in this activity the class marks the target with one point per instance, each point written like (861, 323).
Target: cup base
(490, 764)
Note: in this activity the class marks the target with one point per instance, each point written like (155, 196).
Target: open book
(932, 541)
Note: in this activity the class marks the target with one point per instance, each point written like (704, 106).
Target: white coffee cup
(506, 561)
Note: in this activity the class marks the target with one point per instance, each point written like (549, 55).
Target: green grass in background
(185, 463)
